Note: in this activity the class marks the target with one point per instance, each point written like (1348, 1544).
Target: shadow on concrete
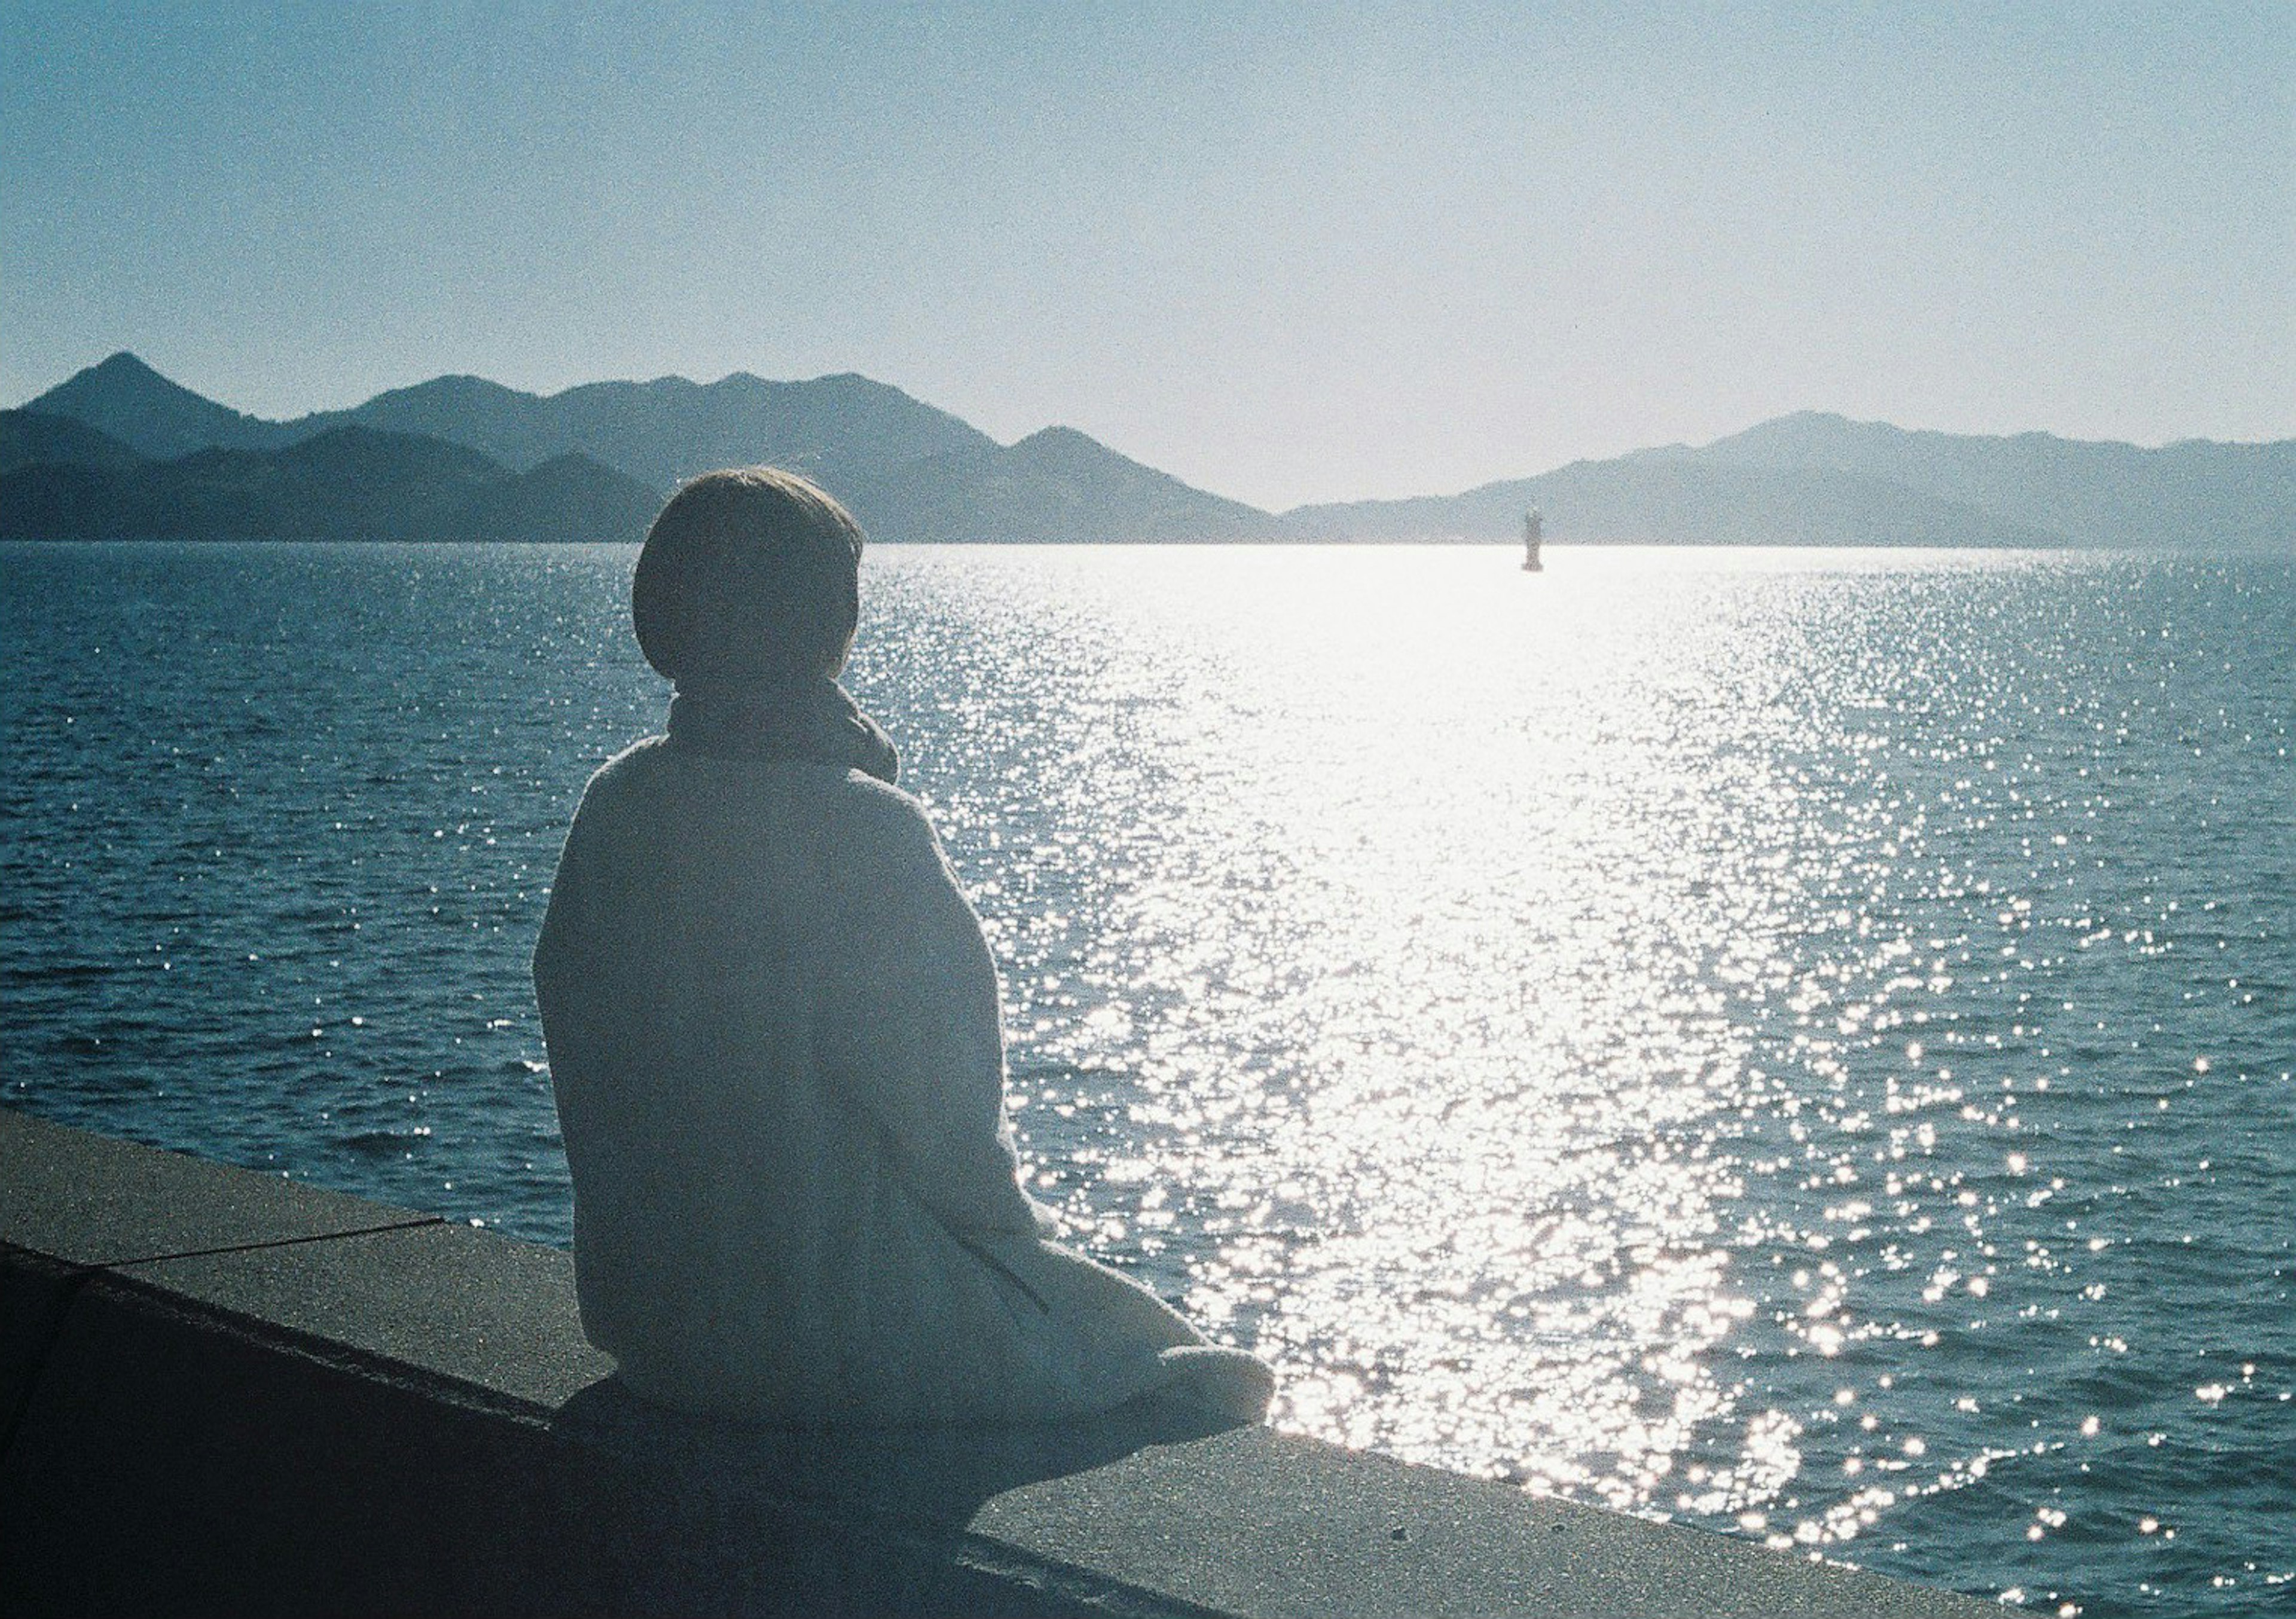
(935, 1479)
(313, 1405)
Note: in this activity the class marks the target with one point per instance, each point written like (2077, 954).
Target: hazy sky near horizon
(1286, 252)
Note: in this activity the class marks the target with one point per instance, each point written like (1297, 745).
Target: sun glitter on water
(1792, 1041)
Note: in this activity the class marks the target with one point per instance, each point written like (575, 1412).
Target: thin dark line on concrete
(277, 1242)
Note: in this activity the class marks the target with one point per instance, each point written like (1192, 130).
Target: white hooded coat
(775, 1040)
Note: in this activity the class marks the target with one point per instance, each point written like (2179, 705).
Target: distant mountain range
(1817, 480)
(120, 451)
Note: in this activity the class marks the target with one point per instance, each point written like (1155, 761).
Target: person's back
(774, 1032)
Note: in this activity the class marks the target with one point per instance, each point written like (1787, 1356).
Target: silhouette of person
(775, 1038)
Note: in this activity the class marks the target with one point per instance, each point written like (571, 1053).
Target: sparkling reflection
(1796, 1042)
(1650, 1033)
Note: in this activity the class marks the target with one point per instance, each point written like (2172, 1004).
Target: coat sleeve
(911, 1033)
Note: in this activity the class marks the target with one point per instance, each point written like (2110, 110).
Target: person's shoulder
(882, 838)
(879, 811)
(627, 769)
(849, 805)
(871, 796)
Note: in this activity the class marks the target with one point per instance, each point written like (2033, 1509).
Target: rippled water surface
(1800, 1043)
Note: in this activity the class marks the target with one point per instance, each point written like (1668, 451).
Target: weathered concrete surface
(88, 1200)
(345, 1412)
(72, 1204)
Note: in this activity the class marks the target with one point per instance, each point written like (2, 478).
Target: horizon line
(833, 376)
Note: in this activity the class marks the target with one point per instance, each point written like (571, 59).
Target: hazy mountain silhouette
(594, 461)
(568, 497)
(1631, 502)
(833, 429)
(144, 410)
(2091, 494)
(30, 438)
(1814, 479)
(352, 483)
(910, 472)
(1057, 485)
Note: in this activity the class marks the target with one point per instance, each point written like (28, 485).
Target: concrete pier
(225, 1393)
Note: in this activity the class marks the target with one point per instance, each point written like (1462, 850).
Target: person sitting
(777, 1047)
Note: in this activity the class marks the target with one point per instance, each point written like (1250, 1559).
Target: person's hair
(749, 574)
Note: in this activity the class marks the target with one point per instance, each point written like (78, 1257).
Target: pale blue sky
(1288, 253)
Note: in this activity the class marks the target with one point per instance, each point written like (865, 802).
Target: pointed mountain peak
(1068, 442)
(117, 375)
(153, 414)
(1059, 433)
(124, 363)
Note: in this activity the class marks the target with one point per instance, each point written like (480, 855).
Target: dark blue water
(1799, 1042)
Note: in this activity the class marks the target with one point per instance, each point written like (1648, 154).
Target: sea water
(1794, 1042)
